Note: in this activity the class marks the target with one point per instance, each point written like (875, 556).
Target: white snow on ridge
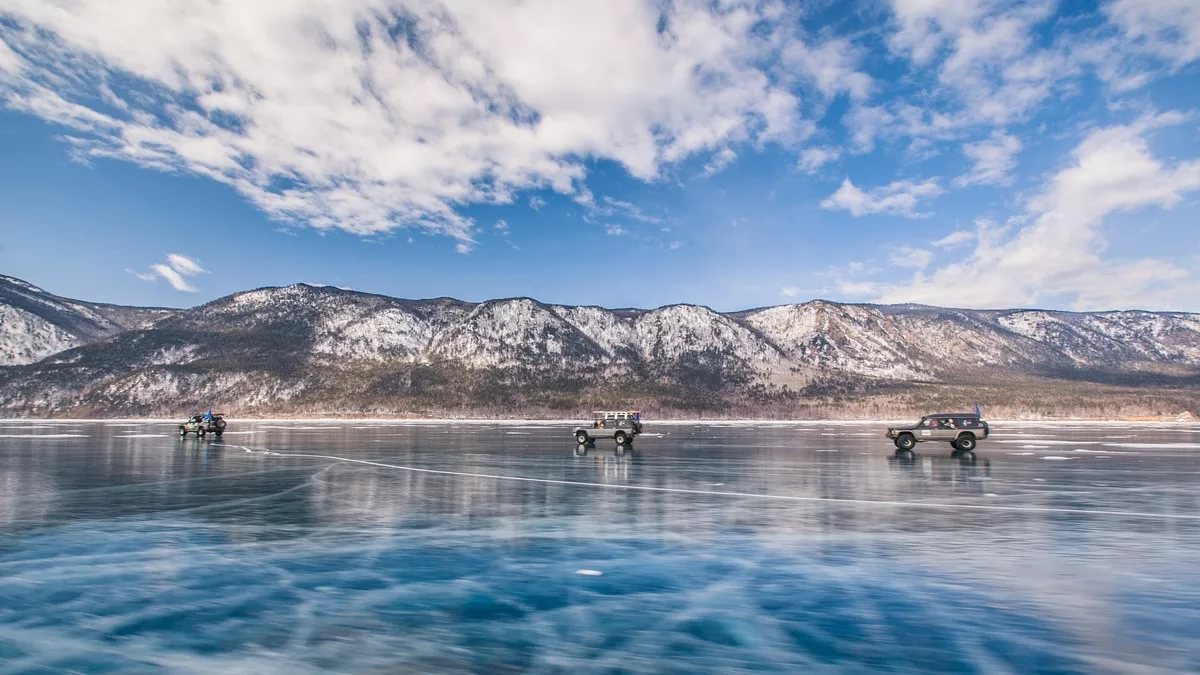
(28, 338)
(670, 332)
(390, 333)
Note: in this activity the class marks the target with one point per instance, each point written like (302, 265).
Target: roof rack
(617, 414)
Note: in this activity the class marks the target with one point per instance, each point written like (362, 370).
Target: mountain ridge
(307, 347)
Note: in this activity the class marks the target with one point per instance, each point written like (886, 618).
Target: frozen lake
(373, 547)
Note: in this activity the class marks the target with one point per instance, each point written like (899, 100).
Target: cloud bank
(368, 115)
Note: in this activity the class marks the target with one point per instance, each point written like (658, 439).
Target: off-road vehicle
(961, 430)
(198, 425)
(620, 425)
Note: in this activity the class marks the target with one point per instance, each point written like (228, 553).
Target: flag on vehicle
(977, 413)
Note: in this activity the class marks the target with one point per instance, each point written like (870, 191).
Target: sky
(966, 153)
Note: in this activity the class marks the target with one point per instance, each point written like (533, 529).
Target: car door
(947, 430)
(925, 429)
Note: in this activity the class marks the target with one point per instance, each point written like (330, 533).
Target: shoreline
(397, 421)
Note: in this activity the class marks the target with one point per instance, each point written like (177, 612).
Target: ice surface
(460, 547)
(43, 436)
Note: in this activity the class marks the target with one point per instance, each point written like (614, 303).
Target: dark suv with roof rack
(961, 430)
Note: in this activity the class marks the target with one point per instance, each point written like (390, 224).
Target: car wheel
(621, 438)
(965, 443)
(906, 442)
(581, 438)
(200, 432)
(220, 426)
(182, 432)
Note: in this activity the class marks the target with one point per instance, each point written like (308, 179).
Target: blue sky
(734, 154)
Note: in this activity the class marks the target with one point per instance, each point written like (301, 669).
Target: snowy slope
(35, 324)
(335, 349)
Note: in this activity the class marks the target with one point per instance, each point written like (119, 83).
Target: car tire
(965, 443)
(581, 438)
(220, 425)
(621, 438)
(200, 432)
(906, 442)
(182, 432)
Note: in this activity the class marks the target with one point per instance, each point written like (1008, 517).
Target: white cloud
(721, 159)
(913, 258)
(174, 271)
(615, 230)
(832, 66)
(183, 264)
(866, 124)
(899, 198)
(1169, 28)
(463, 247)
(536, 203)
(856, 289)
(617, 207)
(144, 276)
(988, 63)
(501, 226)
(984, 51)
(812, 159)
(955, 239)
(1059, 256)
(789, 291)
(674, 245)
(993, 159)
(173, 277)
(10, 62)
(368, 115)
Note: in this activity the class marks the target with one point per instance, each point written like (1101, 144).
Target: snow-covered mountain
(321, 349)
(35, 324)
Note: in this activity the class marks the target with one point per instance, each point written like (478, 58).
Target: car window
(968, 423)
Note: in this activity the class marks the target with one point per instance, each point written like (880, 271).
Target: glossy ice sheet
(463, 547)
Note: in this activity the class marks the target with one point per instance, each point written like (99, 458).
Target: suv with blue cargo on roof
(961, 430)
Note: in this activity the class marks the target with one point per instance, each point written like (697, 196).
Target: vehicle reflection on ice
(614, 464)
(957, 467)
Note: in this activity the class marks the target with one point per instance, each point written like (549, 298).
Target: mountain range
(321, 350)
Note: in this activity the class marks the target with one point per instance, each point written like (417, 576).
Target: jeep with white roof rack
(620, 425)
